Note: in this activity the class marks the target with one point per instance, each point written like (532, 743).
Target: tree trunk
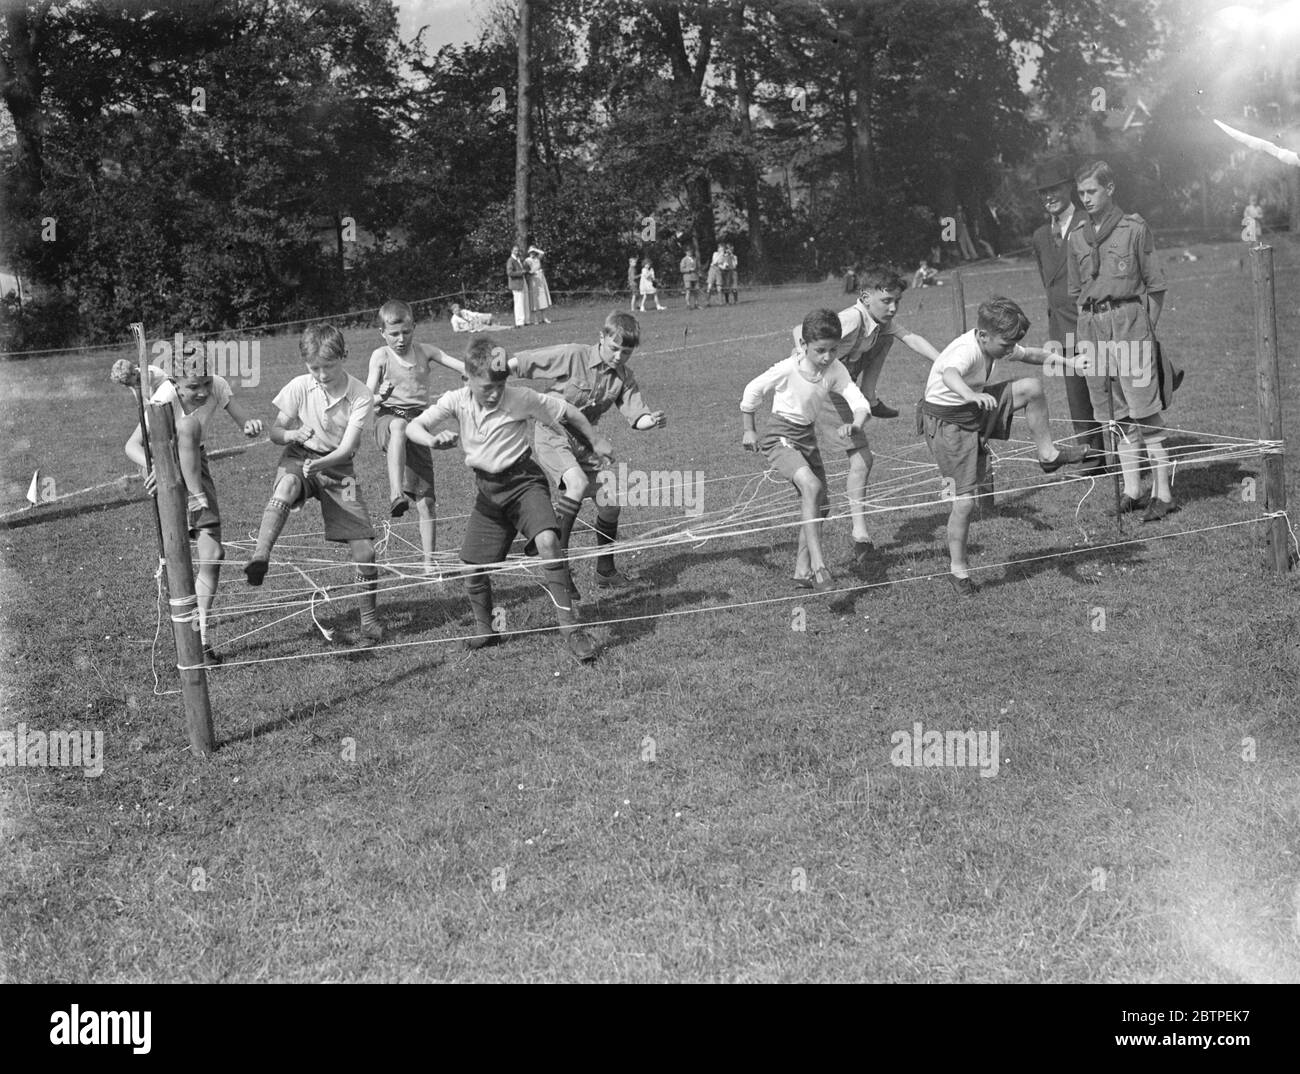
(699, 194)
(846, 117)
(864, 154)
(688, 82)
(749, 173)
(523, 127)
(21, 89)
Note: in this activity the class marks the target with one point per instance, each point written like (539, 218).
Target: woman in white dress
(541, 291)
(648, 288)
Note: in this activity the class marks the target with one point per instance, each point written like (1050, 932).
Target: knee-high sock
(273, 520)
(479, 589)
(557, 584)
(566, 514)
(368, 576)
(606, 533)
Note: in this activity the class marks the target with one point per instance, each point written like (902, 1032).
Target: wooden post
(1269, 386)
(183, 603)
(958, 305)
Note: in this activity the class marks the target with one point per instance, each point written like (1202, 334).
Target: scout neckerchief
(1096, 235)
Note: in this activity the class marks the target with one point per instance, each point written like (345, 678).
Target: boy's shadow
(307, 709)
(650, 598)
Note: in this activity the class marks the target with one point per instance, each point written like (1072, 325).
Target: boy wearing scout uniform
(1119, 289)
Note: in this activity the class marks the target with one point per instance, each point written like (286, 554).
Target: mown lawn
(714, 798)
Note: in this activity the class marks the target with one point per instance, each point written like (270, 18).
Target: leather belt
(1101, 305)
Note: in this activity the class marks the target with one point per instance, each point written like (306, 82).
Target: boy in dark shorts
(802, 385)
(321, 417)
(194, 396)
(961, 412)
(513, 495)
(593, 377)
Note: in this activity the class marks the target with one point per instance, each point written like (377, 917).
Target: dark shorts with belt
(419, 483)
(958, 443)
(516, 500)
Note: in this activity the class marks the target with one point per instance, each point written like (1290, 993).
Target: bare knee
(210, 548)
(548, 544)
(810, 487)
(362, 551)
(288, 487)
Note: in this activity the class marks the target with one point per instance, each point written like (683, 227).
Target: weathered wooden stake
(1269, 387)
(182, 600)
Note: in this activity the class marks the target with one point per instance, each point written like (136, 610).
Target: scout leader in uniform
(1120, 288)
(1054, 180)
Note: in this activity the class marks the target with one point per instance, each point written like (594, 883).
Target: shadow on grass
(39, 516)
(307, 709)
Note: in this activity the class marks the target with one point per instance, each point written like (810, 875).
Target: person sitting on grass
(961, 412)
(319, 421)
(399, 381)
(463, 320)
(926, 275)
(802, 384)
(593, 377)
(513, 496)
(195, 395)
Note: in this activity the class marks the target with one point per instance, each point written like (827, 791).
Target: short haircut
(486, 358)
(187, 362)
(395, 310)
(880, 278)
(1099, 170)
(623, 329)
(322, 341)
(1003, 318)
(821, 324)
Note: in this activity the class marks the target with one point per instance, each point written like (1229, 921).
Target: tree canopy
(237, 162)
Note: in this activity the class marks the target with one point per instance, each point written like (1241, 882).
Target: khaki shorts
(1133, 388)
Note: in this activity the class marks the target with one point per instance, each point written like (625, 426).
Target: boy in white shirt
(802, 385)
(194, 396)
(961, 412)
(319, 420)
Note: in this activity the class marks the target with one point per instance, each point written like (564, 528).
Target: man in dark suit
(1055, 182)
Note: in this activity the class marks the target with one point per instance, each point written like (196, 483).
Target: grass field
(714, 799)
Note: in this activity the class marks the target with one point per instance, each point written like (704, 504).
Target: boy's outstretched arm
(953, 379)
(921, 346)
(251, 426)
(419, 430)
(135, 452)
(287, 429)
(443, 358)
(861, 411)
(379, 388)
(577, 421)
(188, 432)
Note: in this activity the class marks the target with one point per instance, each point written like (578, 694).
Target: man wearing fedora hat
(1054, 180)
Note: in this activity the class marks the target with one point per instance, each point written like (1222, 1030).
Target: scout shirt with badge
(1126, 270)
